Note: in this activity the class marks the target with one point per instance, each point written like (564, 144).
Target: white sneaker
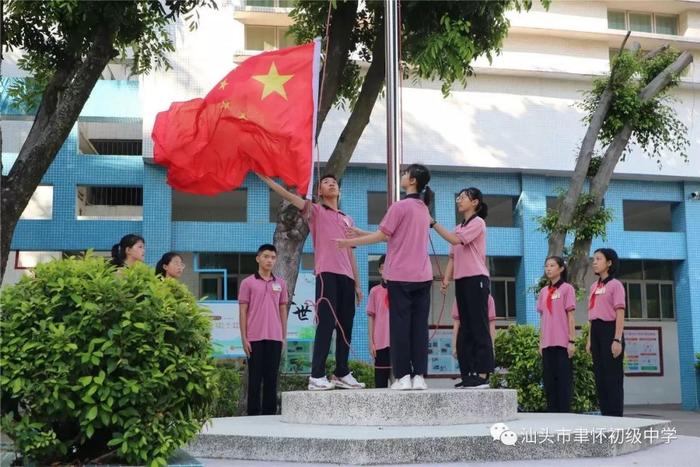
(403, 384)
(419, 383)
(320, 384)
(347, 382)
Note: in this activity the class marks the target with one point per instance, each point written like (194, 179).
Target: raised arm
(294, 199)
(446, 234)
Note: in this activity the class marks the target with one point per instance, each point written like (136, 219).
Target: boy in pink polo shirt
(606, 343)
(556, 304)
(378, 327)
(262, 301)
(409, 276)
(457, 352)
(337, 282)
(467, 264)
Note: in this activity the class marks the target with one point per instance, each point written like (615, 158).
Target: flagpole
(393, 109)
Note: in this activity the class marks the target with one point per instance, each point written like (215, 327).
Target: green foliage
(582, 226)
(363, 372)
(697, 361)
(57, 35)
(517, 351)
(96, 361)
(656, 127)
(227, 390)
(439, 41)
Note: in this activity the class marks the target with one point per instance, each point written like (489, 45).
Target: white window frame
(653, 20)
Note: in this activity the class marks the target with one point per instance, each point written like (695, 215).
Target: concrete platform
(535, 436)
(384, 407)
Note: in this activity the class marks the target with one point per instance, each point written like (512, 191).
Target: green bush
(228, 390)
(517, 352)
(103, 365)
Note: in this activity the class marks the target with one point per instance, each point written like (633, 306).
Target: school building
(513, 132)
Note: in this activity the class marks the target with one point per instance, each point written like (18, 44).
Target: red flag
(259, 117)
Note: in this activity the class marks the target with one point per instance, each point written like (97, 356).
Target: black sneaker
(478, 383)
(466, 381)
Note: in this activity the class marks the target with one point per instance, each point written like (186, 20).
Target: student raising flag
(261, 117)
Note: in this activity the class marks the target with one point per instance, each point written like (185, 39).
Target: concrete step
(384, 407)
(529, 436)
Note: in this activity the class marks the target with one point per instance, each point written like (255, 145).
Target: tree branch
(359, 118)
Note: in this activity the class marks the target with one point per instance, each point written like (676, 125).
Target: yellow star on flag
(223, 84)
(273, 82)
(224, 104)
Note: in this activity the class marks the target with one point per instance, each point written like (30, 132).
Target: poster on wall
(440, 359)
(643, 352)
(226, 332)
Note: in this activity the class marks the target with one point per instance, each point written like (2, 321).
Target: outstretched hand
(343, 243)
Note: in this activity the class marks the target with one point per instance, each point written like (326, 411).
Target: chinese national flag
(259, 117)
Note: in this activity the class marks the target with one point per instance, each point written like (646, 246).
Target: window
(648, 216)
(109, 202)
(270, 3)
(231, 206)
(376, 206)
(267, 37)
(501, 211)
(220, 274)
(110, 138)
(118, 147)
(649, 289)
(503, 272)
(40, 206)
(643, 22)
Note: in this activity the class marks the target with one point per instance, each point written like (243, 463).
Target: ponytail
(482, 210)
(427, 195)
(117, 256)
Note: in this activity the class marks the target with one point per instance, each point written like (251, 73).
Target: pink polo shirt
(327, 225)
(609, 297)
(555, 323)
(263, 298)
(470, 255)
(378, 306)
(491, 310)
(406, 223)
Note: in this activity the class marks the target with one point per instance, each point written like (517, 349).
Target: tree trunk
(340, 45)
(291, 230)
(61, 103)
(567, 208)
(599, 185)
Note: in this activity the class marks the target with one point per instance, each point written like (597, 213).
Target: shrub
(517, 352)
(99, 365)
(227, 390)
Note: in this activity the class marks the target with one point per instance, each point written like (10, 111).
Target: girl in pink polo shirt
(467, 264)
(606, 312)
(337, 282)
(408, 274)
(378, 327)
(556, 304)
(455, 334)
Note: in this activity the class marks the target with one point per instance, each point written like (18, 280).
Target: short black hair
(610, 255)
(266, 247)
(381, 260)
(325, 176)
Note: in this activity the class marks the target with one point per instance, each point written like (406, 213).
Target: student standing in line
(262, 301)
(337, 282)
(408, 274)
(130, 249)
(556, 304)
(606, 313)
(378, 327)
(455, 335)
(170, 265)
(467, 264)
